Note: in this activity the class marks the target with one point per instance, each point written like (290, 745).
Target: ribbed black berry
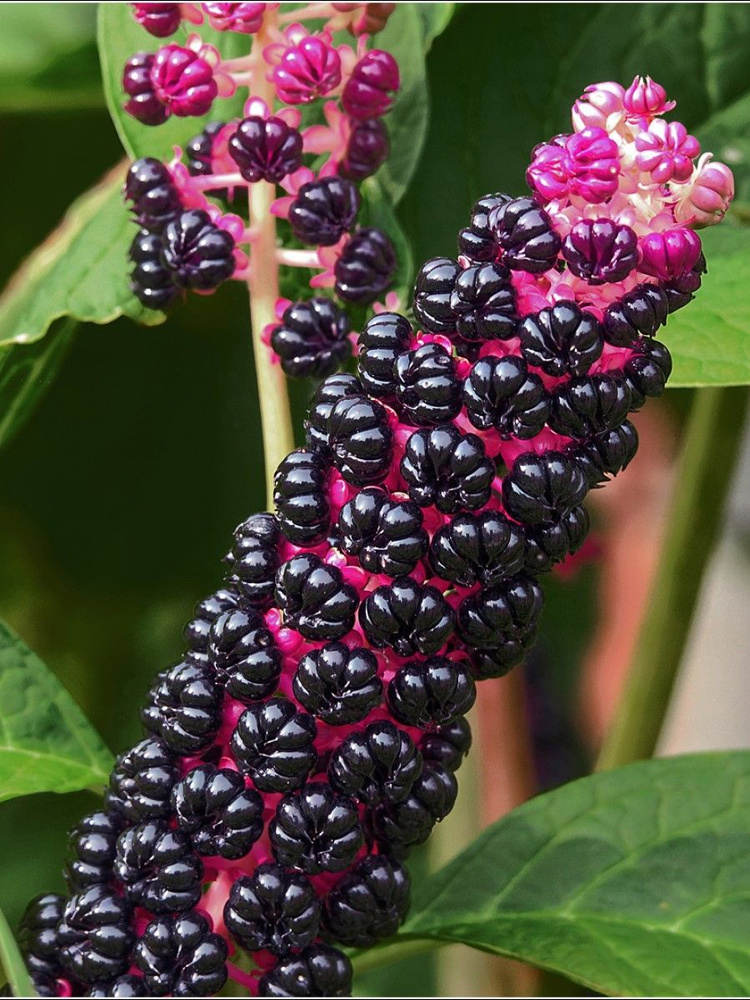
(448, 469)
(502, 393)
(244, 654)
(316, 830)
(542, 489)
(369, 903)
(273, 745)
(157, 868)
(181, 956)
(93, 843)
(447, 745)
(500, 615)
(266, 149)
(551, 543)
(432, 295)
(588, 405)
(200, 148)
(337, 684)
(273, 910)
(312, 338)
(525, 233)
(426, 386)
(38, 937)
(377, 764)
(95, 935)
(477, 548)
(407, 616)
(150, 190)
(647, 371)
(198, 253)
(318, 971)
(639, 312)
(222, 817)
(368, 147)
(561, 340)
(184, 707)
(477, 241)
(484, 303)
(400, 826)
(680, 291)
(143, 103)
(323, 210)
(360, 439)
(365, 267)
(128, 985)
(386, 535)
(301, 497)
(151, 281)
(328, 393)
(314, 599)
(207, 611)
(141, 781)
(254, 559)
(604, 455)
(384, 338)
(430, 693)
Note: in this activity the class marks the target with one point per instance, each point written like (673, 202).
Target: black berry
(432, 295)
(157, 868)
(95, 935)
(181, 956)
(561, 340)
(447, 745)
(448, 469)
(407, 616)
(197, 252)
(184, 708)
(206, 612)
(222, 817)
(551, 543)
(93, 842)
(542, 489)
(273, 745)
(484, 548)
(431, 693)
(484, 303)
(254, 559)
(200, 150)
(368, 147)
(386, 535)
(400, 826)
(314, 599)
(141, 781)
(647, 371)
(150, 190)
(368, 904)
(360, 439)
(384, 338)
(328, 393)
(318, 971)
(244, 654)
(316, 830)
(301, 497)
(337, 684)
(639, 312)
(377, 764)
(38, 937)
(273, 910)
(426, 387)
(477, 241)
(365, 266)
(606, 454)
(589, 405)
(312, 338)
(525, 233)
(324, 210)
(502, 393)
(151, 280)
(266, 149)
(499, 615)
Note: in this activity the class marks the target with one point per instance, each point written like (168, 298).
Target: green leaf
(377, 211)
(634, 882)
(79, 271)
(46, 742)
(13, 963)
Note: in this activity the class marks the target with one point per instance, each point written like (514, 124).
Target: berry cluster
(311, 734)
(186, 241)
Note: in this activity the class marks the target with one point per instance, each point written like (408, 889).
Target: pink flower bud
(709, 196)
(669, 255)
(646, 98)
(245, 18)
(600, 105)
(593, 165)
(159, 19)
(309, 68)
(666, 151)
(368, 91)
(183, 81)
(548, 174)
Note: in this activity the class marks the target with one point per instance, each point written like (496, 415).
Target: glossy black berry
(38, 937)
(600, 250)
(316, 830)
(589, 405)
(399, 827)
(377, 764)
(386, 535)
(561, 340)
(361, 440)
(430, 693)
(318, 971)
(181, 956)
(312, 338)
(254, 559)
(273, 745)
(448, 469)
(639, 312)
(184, 707)
(542, 489)
(141, 781)
(426, 386)
(206, 612)
(447, 745)
(368, 147)
(200, 149)
(143, 102)
(266, 149)
(477, 548)
(328, 393)
(498, 615)
(337, 684)
(432, 295)
(314, 599)
(244, 654)
(273, 910)
(128, 985)
(150, 190)
(93, 843)
(680, 291)
(384, 338)
(484, 303)
(222, 817)
(526, 235)
(157, 867)
(95, 935)
(151, 280)
(407, 616)
(647, 371)
(365, 267)
(477, 241)
(301, 496)
(551, 543)
(369, 904)
(502, 393)
(324, 210)
(606, 454)
(197, 252)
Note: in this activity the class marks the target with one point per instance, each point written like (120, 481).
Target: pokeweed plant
(311, 735)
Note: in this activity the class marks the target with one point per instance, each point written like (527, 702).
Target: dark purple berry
(386, 535)
(181, 956)
(369, 904)
(159, 19)
(93, 842)
(266, 149)
(198, 253)
(244, 654)
(318, 971)
(254, 559)
(368, 92)
(222, 817)
(498, 615)
(407, 616)
(200, 150)
(150, 190)
(206, 612)
(328, 393)
(377, 764)
(273, 910)
(484, 303)
(143, 103)
(95, 935)
(477, 548)
(680, 291)
(38, 935)
(525, 234)
(600, 250)
(360, 439)
(447, 468)
(384, 339)
(324, 210)
(426, 386)
(157, 868)
(337, 684)
(639, 312)
(316, 830)
(432, 295)
(312, 338)
(542, 489)
(400, 826)
(184, 708)
(502, 393)
(447, 745)
(561, 340)
(273, 745)
(365, 266)
(647, 371)
(477, 241)
(431, 693)
(151, 280)
(301, 497)
(314, 599)
(589, 405)
(367, 149)
(141, 781)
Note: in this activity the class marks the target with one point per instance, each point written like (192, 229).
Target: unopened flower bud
(646, 98)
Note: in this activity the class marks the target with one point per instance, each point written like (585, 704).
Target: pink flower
(708, 197)
(245, 18)
(307, 67)
(666, 151)
(644, 98)
(600, 106)
(669, 255)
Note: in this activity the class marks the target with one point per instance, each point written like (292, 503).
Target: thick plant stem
(703, 476)
(263, 286)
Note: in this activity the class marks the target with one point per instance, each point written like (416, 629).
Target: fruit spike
(310, 735)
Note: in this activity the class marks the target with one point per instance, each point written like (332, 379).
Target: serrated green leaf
(46, 742)
(13, 963)
(80, 271)
(633, 882)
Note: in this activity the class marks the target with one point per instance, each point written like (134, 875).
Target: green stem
(373, 958)
(703, 476)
